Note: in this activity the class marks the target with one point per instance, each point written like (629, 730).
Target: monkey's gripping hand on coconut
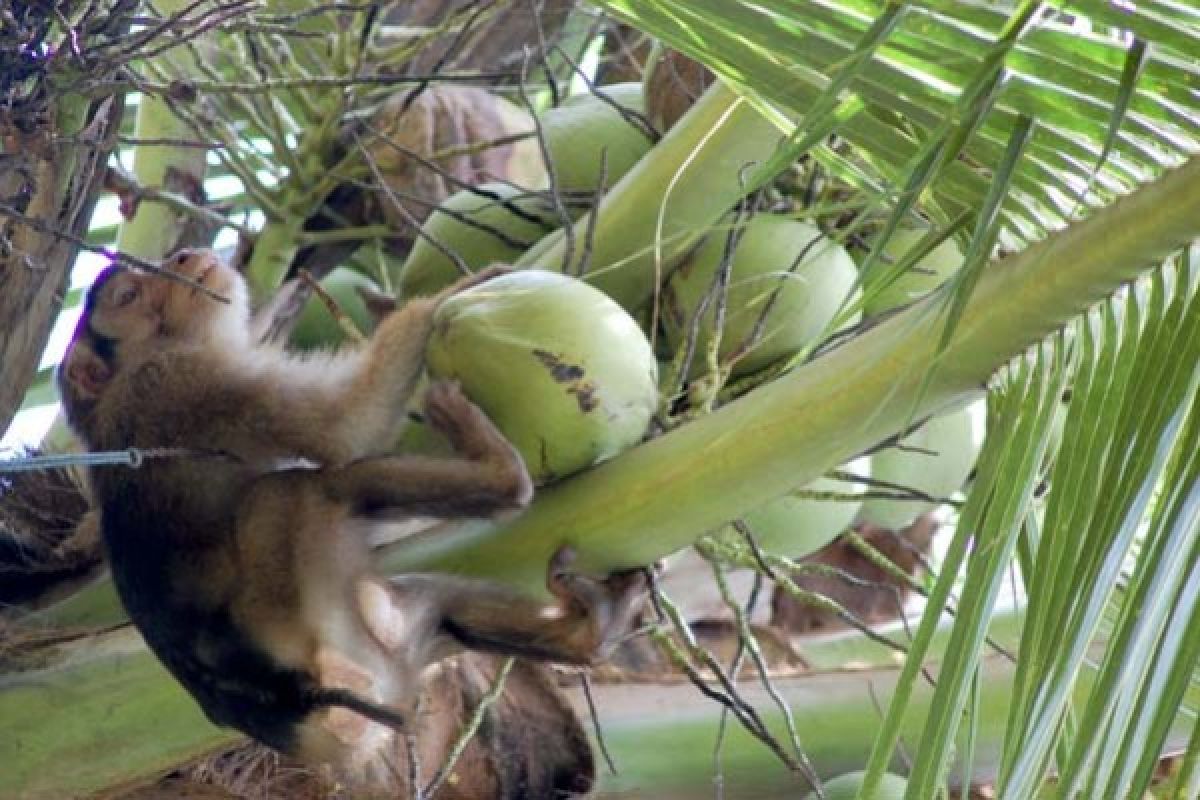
(250, 577)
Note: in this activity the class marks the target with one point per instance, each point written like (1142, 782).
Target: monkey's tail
(344, 698)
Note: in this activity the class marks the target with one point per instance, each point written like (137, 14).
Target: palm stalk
(155, 228)
(662, 495)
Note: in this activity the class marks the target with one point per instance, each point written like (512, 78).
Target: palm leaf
(936, 66)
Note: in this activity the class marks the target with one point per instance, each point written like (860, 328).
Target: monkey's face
(129, 313)
(131, 308)
(135, 308)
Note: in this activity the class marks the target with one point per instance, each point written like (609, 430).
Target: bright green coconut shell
(799, 523)
(914, 283)
(561, 369)
(847, 786)
(317, 328)
(934, 459)
(508, 222)
(580, 131)
(808, 274)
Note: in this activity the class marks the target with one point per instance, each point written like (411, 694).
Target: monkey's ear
(86, 373)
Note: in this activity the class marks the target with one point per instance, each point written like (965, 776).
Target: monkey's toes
(619, 589)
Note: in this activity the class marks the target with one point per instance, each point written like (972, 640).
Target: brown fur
(244, 562)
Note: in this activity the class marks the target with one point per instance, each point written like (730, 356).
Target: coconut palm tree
(1056, 142)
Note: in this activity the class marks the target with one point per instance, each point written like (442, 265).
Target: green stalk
(154, 229)
(839, 709)
(104, 713)
(705, 164)
(660, 496)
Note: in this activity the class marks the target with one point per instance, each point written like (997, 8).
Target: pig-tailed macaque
(243, 557)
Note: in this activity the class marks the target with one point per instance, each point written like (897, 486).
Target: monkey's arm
(358, 410)
(373, 403)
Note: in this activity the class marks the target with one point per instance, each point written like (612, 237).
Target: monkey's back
(169, 553)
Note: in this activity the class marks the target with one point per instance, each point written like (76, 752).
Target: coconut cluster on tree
(573, 378)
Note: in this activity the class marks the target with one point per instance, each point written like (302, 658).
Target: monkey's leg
(489, 479)
(436, 487)
(587, 622)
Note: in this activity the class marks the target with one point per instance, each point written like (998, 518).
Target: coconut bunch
(580, 354)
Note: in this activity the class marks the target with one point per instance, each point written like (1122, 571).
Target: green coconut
(508, 222)
(934, 459)
(563, 371)
(780, 263)
(799, 523)
(317, 327)
(847, 787)
(914, 283)
(581, 130)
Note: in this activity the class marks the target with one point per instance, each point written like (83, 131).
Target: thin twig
(560, 209)
(121, 259)
(748, 643)
(728, 695)
(469, 730)
(589, 232)
(414, 765)
(122, 182)
(632, 117)
(409, 219)
(586, 682)
(452, 50)
(314, 82)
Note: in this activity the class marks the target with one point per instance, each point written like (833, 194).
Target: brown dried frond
(40, 513)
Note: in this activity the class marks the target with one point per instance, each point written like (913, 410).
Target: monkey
(242, 557)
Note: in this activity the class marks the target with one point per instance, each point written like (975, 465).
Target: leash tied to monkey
(132, 457)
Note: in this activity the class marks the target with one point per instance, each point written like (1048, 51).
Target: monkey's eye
(126, 294)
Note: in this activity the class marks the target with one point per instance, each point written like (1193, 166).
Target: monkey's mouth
(202, 277)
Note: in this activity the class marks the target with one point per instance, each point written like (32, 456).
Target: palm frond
(1112, 92)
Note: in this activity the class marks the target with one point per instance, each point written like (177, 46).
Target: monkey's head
(129, 314)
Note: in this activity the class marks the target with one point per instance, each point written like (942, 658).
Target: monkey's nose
(191, 263)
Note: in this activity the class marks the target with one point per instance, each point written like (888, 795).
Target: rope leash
(133, 457)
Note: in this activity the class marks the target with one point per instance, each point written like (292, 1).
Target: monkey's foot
(472, 434)
(612, 604)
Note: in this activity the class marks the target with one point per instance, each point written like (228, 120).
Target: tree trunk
(55, 145)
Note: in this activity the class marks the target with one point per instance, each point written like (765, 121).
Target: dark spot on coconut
(544, 459)
(559, 369)
(585, 396)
